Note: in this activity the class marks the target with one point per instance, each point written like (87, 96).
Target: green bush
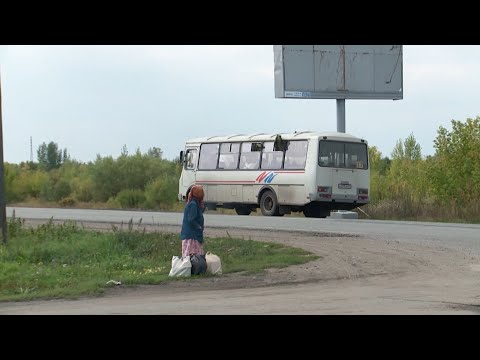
(130, 198)
(67, 201)
(61, 190)
(83, 189)
(161, 193)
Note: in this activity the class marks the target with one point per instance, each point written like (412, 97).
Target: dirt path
(352, 275)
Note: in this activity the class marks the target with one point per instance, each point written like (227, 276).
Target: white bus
(309, 172)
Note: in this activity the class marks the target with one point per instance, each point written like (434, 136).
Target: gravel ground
(353, 274)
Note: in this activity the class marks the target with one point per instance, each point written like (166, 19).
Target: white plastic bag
(214, 265)
(181, 266)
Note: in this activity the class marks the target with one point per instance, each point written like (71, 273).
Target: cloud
(441, 73)
(94, 99)
(237, 65)
(441, 68)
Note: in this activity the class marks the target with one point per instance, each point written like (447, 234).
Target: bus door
(190, 167)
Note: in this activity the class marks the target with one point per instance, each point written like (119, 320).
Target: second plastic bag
(214, 264)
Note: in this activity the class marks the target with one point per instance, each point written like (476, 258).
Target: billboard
(338, 71)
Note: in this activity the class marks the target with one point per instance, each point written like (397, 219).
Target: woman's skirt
(191, 246)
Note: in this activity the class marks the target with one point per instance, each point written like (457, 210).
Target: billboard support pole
(341, 115)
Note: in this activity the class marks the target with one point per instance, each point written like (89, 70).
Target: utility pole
(31, 150)
(3, 209)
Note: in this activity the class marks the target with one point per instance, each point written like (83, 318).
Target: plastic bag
(181, 266)
(199, 264)
(214, 265)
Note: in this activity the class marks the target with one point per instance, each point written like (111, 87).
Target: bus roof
(271, 137)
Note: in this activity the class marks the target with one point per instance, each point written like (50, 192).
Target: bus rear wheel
(243, 210)
(269, 204)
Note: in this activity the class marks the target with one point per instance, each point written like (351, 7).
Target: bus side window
(208, 156)
(250, 159)
(271, 159)
(296, 155)
(243, 162)
(228, 156)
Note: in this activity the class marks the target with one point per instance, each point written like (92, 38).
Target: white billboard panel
(338, 71)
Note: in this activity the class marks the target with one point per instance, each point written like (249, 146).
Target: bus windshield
(343, 155)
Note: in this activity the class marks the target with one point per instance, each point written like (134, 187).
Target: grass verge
(68, 261)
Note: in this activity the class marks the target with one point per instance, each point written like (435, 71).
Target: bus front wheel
(269, 204)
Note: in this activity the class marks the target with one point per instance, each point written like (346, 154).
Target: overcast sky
(96, 99)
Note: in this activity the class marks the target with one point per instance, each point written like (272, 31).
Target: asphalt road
(464, 237)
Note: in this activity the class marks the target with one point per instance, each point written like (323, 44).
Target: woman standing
(192, 225)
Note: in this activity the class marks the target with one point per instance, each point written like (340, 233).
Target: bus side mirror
(181, 158)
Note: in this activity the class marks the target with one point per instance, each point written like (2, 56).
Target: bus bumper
(338, 198)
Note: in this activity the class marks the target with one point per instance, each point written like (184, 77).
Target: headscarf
(197, 193)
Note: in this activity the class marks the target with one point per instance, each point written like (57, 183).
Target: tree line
(138, 180)
(441, 187)
(405, 185)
